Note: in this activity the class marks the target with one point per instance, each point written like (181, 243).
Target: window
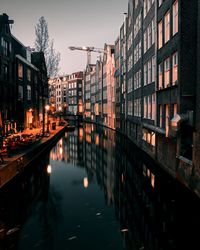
(160, 36)
(149, 71)
(28, 92)
(6, 72)
(145, 41)
(137, 107)
(167, 72)
(20, 71)
(175, 17)
(130, 107)
(174, 109)
(145, 74)
(36, 79)
(148, 5)
(136, 3)
(160, 72)
(139, 78)
(154, 106)
(153, 30)
(145, 107)
(29, 75)
(140, 49)
(160, 115)
(20, 92)
(149, 107)
(174, 68)
(130, 85)
(149, 32)
(145, 8)
(167, 116)
(6, 48)
(153, 69)
(167, 27)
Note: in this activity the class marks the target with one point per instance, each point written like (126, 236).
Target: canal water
(93, 191)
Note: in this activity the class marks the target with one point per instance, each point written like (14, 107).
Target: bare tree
(42, 43)
(42, 36)
(53, 60)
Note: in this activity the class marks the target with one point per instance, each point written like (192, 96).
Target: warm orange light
(80, 132)
(152, 180)
(47, 107)
(49, 169)
(88, 138)
(85, 182)
(97, 140)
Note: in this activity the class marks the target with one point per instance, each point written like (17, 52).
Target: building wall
(7, 83)
(196, 152)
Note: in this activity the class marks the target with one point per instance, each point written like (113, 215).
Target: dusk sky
(71, 23)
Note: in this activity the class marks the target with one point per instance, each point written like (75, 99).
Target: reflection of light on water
(97, 140)
(85, 182)
(60, 142)
(80, 133)
(49, 169)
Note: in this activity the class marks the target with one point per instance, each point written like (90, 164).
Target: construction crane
(88, 50)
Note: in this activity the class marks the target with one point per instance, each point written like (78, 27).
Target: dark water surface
(96, 191)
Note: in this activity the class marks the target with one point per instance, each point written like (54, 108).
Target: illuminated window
(149, 107)
(160, 35)
(167, 116)
(175, 17)
(174, 68)
(29, 75)
(20, 71)
(153, 139)
(160, 114)
(174, 109)
(167, 72)
(145, 106)
(167, 27)
(160, 72)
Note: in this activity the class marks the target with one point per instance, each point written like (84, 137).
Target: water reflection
(17, 198)
(97, 191)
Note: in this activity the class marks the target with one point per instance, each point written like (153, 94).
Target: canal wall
(20, 161)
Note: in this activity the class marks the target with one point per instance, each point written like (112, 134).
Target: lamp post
(47, 107)
(60, 109)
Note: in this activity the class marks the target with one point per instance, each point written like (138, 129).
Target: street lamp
(60, 109)
(47, 107)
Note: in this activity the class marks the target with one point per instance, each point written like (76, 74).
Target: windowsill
(166, 88)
